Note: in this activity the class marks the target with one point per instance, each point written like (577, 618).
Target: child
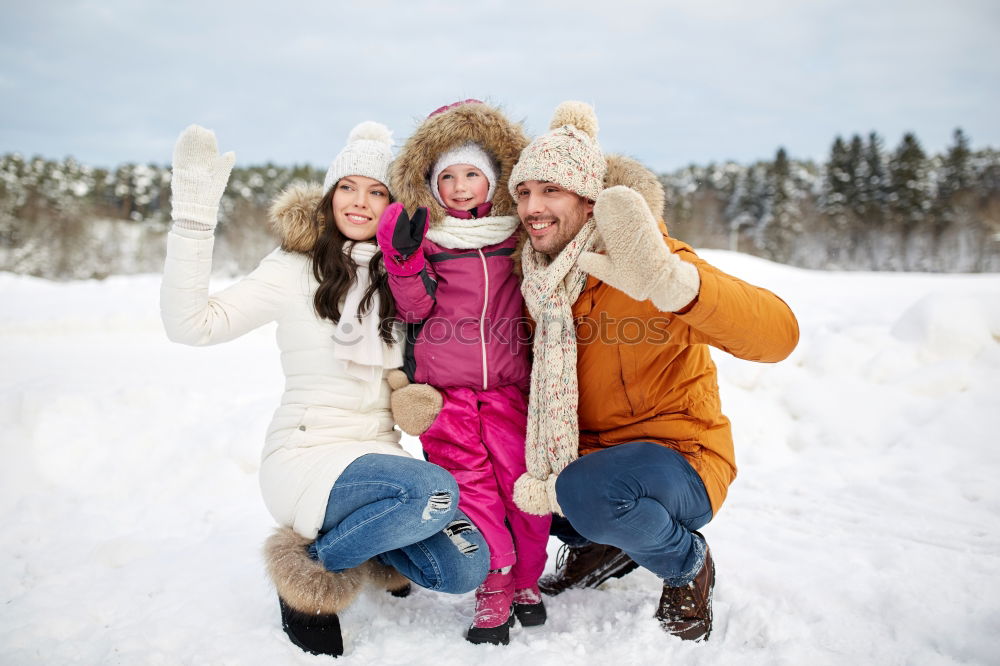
(451, 271)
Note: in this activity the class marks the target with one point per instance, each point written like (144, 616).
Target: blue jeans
(643, 498)
(405, 513)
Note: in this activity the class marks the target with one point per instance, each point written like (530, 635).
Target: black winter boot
(310, 596)
(316, 634)
(401, 592)
(384, 576)
(529, 607)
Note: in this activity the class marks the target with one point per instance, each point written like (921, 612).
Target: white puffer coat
(327, 418)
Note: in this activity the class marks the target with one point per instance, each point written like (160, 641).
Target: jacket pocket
(299, 431)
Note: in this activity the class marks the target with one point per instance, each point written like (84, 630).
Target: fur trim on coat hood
(630, 173)
(471, 121)
(294, 218)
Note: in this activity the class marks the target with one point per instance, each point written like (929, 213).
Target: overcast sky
(674, 82)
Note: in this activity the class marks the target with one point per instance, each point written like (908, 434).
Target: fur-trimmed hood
(630, 173)
(294, 217)
(471, 121)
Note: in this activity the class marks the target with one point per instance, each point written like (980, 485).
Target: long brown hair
(336, 272)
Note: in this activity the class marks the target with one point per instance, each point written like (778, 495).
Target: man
(626, 437)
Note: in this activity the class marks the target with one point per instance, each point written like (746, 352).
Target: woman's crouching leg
(454, 560)
(380, 503)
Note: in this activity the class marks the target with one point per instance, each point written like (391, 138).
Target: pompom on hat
(368, 153)
(568, 155)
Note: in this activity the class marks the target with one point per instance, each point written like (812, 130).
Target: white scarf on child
(473, 233)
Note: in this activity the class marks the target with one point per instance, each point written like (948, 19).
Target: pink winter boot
(494, 610)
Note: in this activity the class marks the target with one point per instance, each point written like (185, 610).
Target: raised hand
(638, 261)
(399, 236)
(198, 176)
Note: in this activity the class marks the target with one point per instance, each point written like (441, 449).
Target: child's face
(462, 186)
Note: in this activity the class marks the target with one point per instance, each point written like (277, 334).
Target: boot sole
(499, 635)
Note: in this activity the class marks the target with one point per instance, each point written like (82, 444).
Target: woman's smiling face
(357, 203)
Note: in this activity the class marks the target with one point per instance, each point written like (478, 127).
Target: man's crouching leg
(646, 500)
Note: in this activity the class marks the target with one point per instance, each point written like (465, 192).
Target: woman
(353, 505)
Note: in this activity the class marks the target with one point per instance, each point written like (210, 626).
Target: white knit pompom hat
(568, 155)
(467, 153)
(368, 153)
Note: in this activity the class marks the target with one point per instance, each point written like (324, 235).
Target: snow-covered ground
(863, 527)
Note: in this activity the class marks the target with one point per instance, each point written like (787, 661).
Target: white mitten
(638, 261)
(198, 177)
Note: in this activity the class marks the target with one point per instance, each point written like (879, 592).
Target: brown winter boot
(686, 611)
(586, 566)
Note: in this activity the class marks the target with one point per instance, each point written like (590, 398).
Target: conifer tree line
(65, 220)
(865, 208)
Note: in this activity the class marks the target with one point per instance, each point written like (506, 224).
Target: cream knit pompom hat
(568, 155)
(368, 153)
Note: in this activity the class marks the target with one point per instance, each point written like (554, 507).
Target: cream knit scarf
(553, 436)
(474, 233)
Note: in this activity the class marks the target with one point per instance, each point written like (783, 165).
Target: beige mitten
(638, 261)
(198, 177)
(414, 406)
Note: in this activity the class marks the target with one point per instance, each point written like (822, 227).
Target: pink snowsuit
(471, 342)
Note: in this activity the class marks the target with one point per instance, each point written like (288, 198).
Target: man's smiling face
(552, 215)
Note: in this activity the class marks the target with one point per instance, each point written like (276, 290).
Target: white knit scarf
(359, 345)
(553, 437)
(473, 233)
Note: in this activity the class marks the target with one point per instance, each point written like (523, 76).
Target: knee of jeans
(469, 573)
(588, 510)
(574, 491)
(441, 496)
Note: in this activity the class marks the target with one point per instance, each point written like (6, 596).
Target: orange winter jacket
(647, 375)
